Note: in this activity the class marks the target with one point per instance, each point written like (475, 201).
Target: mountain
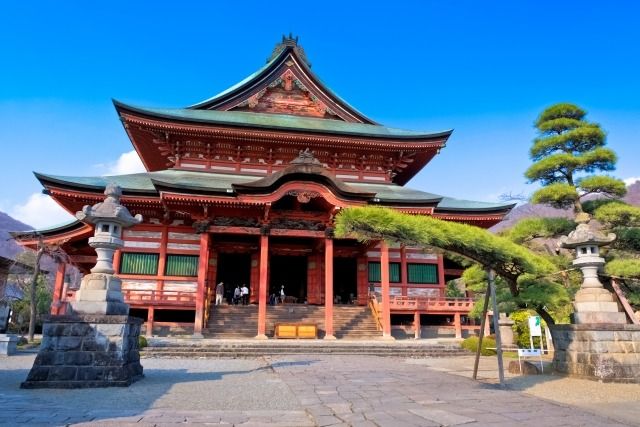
(529, 210)
(8, 247)
(633, 194)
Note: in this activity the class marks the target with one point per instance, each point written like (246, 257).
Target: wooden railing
(159, 297)
(374, 306)
(624, 302)
(450, 305)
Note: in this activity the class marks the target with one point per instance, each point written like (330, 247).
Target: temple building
(243, 187)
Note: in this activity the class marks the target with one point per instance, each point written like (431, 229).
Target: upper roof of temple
(284, 85)
(268, 117)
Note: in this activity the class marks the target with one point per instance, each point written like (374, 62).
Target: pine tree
(567, 152)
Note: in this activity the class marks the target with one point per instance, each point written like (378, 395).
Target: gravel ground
(617, 401)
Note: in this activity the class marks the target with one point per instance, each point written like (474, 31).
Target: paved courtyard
(307, 390)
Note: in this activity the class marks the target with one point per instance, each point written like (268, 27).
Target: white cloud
(127, 163)
(40, 211)
(631, 180)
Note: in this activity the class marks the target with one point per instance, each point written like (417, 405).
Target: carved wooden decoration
(287, 95)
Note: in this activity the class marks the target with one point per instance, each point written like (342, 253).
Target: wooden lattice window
(422, 273)
(139, 263)
(182, 265)
(375, 273)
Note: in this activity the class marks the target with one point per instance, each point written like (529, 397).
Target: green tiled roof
(235, 86)
(392, 192)
(53, 229)
(281, 121)
(450, 204)
(143, 183)
(273, 63)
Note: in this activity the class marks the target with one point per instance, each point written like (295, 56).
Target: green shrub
(471, 344)
(521, 328)
(142, 342)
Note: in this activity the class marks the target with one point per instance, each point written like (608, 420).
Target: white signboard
(535, 327)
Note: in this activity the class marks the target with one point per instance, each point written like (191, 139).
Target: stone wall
(87, 351)
(604, 352)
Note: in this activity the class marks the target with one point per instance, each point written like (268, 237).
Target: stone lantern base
(83, 351)
(100, 293)
(608, 353)
(596, 305)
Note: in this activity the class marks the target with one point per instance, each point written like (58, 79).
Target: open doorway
(345, 280)
(234, 270)
(290, 272)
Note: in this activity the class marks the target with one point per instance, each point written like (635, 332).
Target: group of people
(275, 299)
(240, 295)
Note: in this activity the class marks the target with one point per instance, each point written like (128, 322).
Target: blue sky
(485, 69)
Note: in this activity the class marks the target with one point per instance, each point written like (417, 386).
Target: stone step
(229, 321)
(302, 347)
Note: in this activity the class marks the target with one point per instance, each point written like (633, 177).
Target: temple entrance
(345, 280)
(234, 270)
(290, 271)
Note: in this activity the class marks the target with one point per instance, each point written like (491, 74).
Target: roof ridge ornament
(289, 41)
(306, 157)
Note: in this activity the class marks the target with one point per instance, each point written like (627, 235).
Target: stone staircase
(249, 348)
(237, 321)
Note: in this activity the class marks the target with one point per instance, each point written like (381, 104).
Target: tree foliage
(624, 267)
(519, 267)
(618, 214)
(21, 317)
(528, 229)
(567, 148)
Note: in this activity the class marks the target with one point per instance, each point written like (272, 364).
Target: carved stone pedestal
(100, 293)
(596, 305)
(83, 351)
(604, 352)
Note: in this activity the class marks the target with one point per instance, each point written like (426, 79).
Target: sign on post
(535, 330)
(535, 326)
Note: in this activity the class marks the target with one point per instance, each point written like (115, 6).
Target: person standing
(219, 293)
(245, 294)
(236, 295)
(282, 295)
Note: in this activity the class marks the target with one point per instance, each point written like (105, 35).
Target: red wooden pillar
(116, 260)
(149, 330)
(457, 325)
(441, 275)
(254, 280)
(203, 263)
(403, 269)
(416, 325)
(314, 293)
(328, 288)
(363, 280)
(162, 259)
(386, 300)
(56, 305)
(262, 291)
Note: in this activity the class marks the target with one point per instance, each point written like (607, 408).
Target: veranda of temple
(243, 188)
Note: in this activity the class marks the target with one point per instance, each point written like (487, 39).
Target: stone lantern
(100, 291)
(593, 303)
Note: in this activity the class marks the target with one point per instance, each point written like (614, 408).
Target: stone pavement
(300, 390)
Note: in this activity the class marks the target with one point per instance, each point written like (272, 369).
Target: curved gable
(285, 85)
